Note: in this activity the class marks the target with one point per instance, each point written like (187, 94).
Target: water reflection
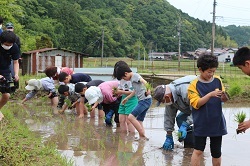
(89, 142)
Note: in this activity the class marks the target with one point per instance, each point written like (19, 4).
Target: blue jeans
(141, 109)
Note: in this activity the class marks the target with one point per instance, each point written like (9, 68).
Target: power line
(91, 44)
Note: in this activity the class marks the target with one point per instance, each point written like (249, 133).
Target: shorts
(54, 94)
(127, 108)
(141, 109)
(215, 145)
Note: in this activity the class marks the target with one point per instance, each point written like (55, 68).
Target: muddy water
(89, 142)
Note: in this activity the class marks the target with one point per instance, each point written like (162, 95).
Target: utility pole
(102, 45)
(139, 54)
(213, 29)
(179, 44)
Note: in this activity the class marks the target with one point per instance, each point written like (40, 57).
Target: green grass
(20, 146)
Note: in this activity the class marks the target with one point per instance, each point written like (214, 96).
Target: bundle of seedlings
(239, 117)
(89, 107)
(148, 87)
(115, 89)
(68, 102)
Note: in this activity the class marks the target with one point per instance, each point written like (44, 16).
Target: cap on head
(33, 84)
(9, 25)
(159, 93)
(92, 94)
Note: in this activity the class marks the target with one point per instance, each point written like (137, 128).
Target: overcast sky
(228, 12)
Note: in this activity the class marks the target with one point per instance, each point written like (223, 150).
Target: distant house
(162, 55)
(37, 60)
(189, 55)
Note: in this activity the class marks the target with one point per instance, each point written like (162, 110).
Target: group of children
(128, 98)
(125, 97)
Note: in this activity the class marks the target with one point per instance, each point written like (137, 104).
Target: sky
(227, 12)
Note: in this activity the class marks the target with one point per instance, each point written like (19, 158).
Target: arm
(94, 106)
(128, 97)
(144, 82)
(29, 96)
(196, 101)
(16, 69)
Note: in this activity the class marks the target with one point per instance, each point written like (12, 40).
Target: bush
(234, 90)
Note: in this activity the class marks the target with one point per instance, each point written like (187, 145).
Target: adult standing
(10, 27)
(8, 51)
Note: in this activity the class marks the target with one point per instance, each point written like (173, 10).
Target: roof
(51, 49)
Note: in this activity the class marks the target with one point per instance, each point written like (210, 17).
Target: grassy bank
(20, 146)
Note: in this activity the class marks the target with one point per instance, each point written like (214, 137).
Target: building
(37, 60)
(162, 55)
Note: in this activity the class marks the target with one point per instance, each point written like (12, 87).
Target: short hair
(241, 56)
(7, 36)
(50, 71)
(116, 65)
(62, 89)
(62, 76)
(79, 87)
(207, 62)
(120, 71)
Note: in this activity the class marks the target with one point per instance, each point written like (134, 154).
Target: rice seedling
(239, 118)
(89, 107)
(148, 87)
(114, 90)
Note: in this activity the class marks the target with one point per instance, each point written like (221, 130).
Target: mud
(88, 141)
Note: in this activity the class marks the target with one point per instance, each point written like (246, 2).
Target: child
(241, 59)
(103, 94)
(206, 94)
(82, 87)
(136, 117)
(45, 84)
(125, 88)
(74, 78)
(54, 71)
(69, 91)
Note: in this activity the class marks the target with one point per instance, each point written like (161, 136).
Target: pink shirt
(106, 89)
(66, 70)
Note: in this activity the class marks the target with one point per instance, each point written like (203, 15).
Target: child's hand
(216, 93)
(49, 94)
(124, 101)
(148, 92)
(224, 96)
(92, 108)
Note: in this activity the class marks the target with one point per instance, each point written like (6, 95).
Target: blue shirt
(80, 77)
(208, 119)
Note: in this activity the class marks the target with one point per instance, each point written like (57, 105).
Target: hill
(128, 26)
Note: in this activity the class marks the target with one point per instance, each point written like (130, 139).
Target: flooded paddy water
(89, 142)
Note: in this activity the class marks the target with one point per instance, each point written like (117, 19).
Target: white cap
(93, 94)
(34, 84)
